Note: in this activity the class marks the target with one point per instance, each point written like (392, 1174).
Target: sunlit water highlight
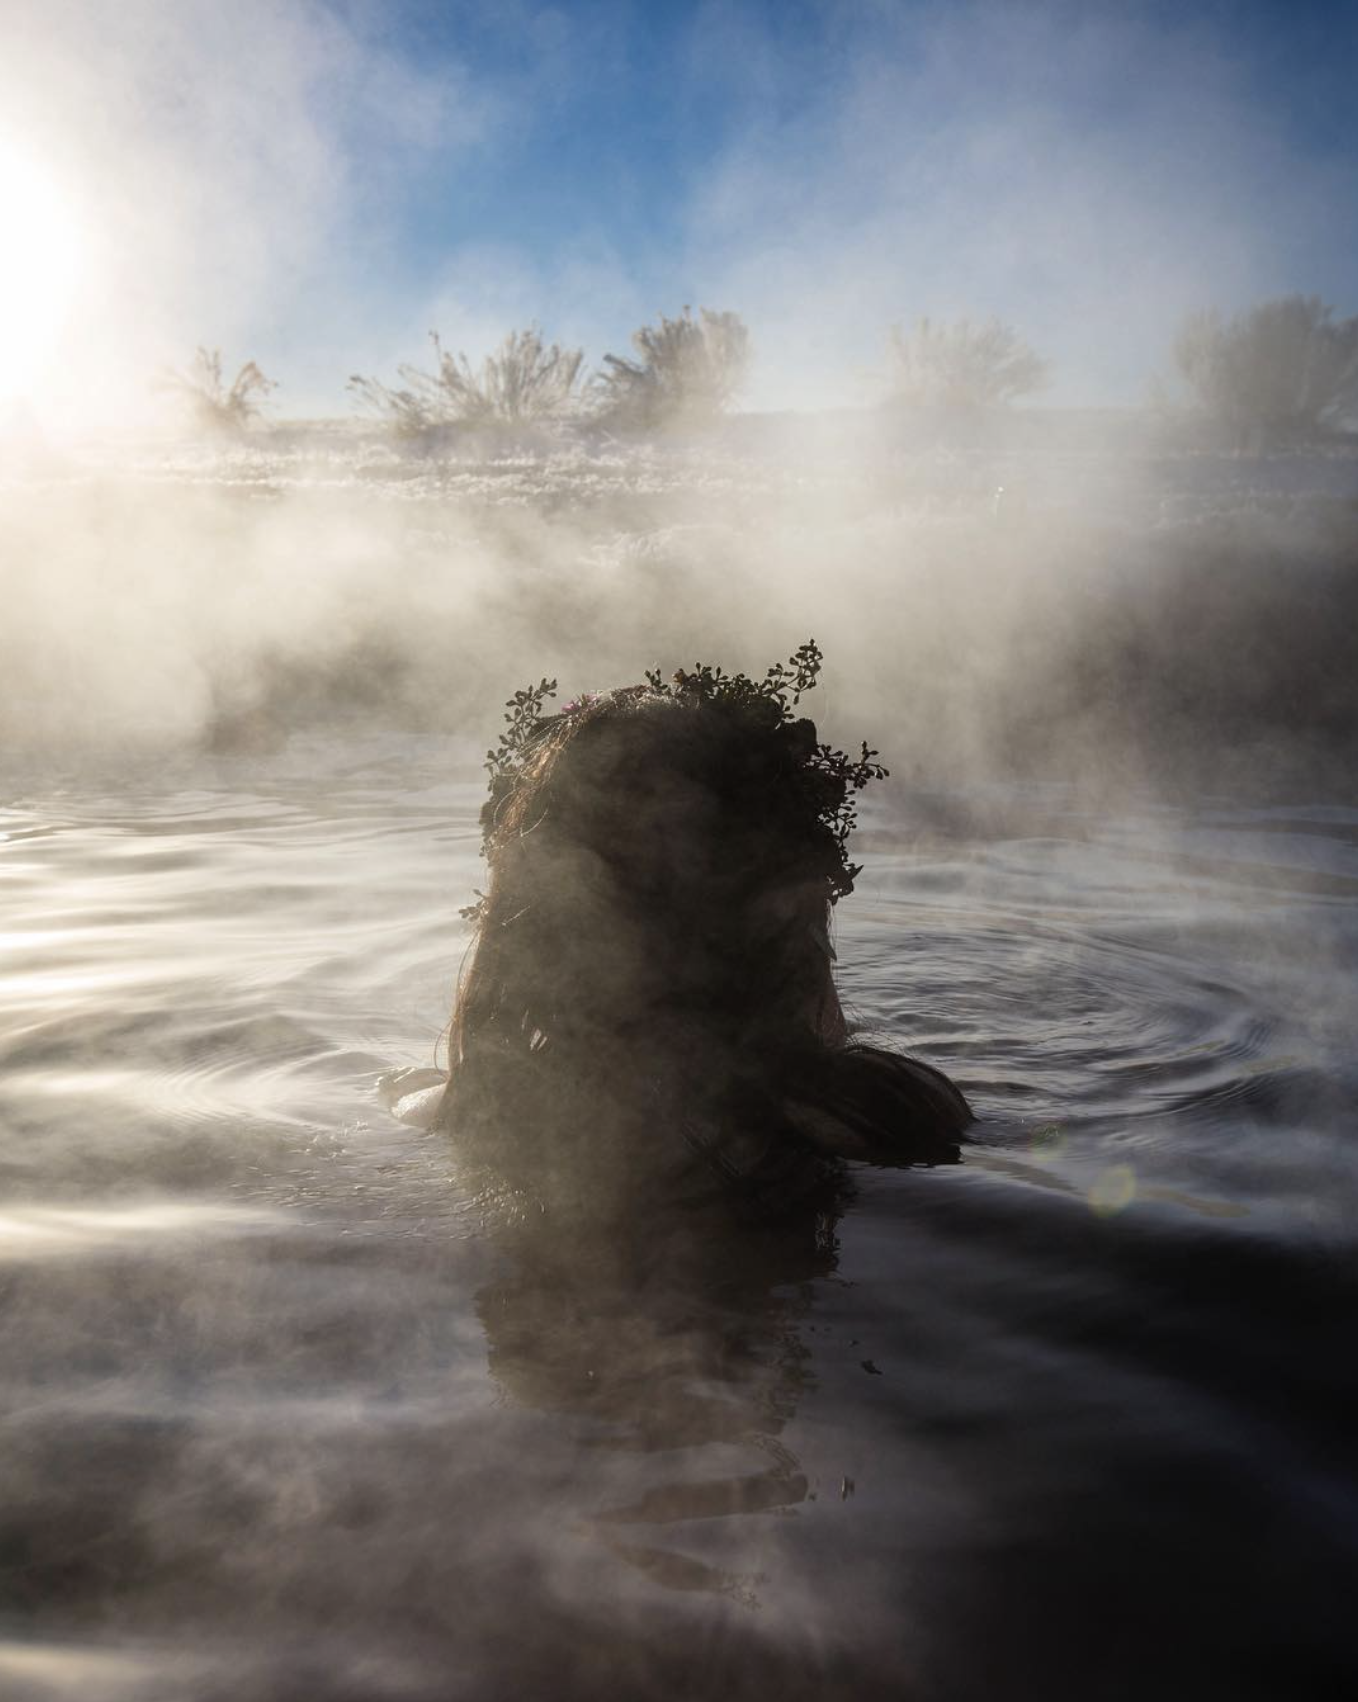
(288, 1412)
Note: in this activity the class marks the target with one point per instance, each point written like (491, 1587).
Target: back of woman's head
(657, 861)
(653, 941)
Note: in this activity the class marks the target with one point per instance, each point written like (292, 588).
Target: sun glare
(39, 272)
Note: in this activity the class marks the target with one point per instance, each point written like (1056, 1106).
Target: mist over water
(1091, 615)
(293, 1405)
(290, 1405)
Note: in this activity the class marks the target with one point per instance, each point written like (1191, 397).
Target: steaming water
(290, 1412)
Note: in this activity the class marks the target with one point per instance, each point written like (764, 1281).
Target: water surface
(290, 1410)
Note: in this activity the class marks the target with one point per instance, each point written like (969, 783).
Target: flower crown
(823, 782)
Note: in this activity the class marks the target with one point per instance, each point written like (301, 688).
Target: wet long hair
(649, 1001)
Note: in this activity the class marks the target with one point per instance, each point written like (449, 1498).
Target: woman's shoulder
(866, 1102)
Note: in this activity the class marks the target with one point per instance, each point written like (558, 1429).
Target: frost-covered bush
(525, 382)
(1280, 374)
(957, 367)
(209, 402)
(687, 372)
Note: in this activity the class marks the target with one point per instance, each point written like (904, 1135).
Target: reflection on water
(290, 1408)
(672, 1345)
(33, 1232)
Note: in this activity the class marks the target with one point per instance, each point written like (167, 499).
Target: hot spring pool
(288, 1413)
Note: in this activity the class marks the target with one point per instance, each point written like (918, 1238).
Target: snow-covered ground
(855, 461)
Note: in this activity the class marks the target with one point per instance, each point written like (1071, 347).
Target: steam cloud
(963, 636)
(234, 171)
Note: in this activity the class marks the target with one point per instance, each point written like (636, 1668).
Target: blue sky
(317, 183)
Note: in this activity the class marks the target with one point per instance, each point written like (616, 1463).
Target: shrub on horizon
(524, 382)
(687, 373)
(212, 404)
(956, 368)
(1280, 374)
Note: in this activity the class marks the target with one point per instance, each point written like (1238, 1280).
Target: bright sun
(38, 274)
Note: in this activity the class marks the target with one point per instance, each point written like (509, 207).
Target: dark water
(288, 1411)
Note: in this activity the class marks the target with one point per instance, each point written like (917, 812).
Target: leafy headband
(825, 781)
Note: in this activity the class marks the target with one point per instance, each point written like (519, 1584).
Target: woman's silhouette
(649, 1006)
